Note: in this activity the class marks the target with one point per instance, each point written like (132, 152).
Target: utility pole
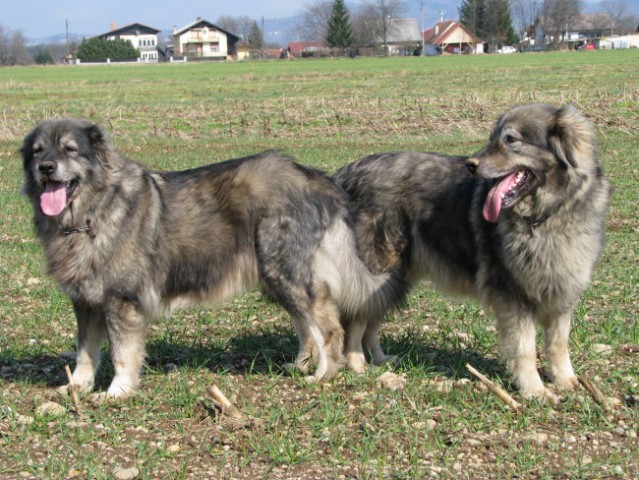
(66, 22)
(421, 28)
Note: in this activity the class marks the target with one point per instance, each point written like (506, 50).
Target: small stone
(33, 281)
(51, 408)
(391, 381)
(24, 419)
(126, 473)
(602, 349)
(539, 438)
(175, 448)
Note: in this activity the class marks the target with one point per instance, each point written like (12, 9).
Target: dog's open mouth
(56, 196)
(506, 191)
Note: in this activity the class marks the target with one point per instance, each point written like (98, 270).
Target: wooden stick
(594, 392)
(73, 390)
(228, 409)
(496, 389)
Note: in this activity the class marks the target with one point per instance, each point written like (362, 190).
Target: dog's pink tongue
(54, 198)
(492, 205)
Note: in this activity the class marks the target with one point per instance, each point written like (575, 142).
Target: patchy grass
(326, 113)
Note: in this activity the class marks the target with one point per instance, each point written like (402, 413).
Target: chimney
(114, 27)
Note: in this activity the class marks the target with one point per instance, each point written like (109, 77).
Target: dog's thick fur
(520, 225)
(127, 244)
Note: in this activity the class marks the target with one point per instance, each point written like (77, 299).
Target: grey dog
(127, 244)
(519, 225)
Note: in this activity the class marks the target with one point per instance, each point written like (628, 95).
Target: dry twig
(231, 415)
(73, 390)
(594, 392)
(496, 389)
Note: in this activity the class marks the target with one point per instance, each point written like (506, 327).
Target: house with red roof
(451, 37)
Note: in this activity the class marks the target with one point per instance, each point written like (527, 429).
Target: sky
(42, 18)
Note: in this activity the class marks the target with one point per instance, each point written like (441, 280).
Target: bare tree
(524, 13)
(13, 48)
(240, 26)
(314, 21)
(373, 20)
(622, 20)
(558, 16)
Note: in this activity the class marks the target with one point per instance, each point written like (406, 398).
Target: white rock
(602, 349)
(126, 473)
(391, 381)
(51, 408)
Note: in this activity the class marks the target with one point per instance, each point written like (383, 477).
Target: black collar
(534, 222)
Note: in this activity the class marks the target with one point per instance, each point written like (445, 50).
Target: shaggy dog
(520, 225)
(127, 244)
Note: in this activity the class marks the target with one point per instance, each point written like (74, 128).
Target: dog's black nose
(471, 164)
(47, 168)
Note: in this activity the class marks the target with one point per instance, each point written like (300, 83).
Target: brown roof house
(451, 37)
(202, 40)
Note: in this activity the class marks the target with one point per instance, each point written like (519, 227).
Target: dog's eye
(510, 138)
(37, 151)
(70, 149)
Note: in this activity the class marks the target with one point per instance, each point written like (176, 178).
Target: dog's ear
(96, 136)
(571, 136)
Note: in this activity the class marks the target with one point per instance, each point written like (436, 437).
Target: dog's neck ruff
(86, 229)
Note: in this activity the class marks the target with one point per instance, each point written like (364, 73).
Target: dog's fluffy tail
(358, 292)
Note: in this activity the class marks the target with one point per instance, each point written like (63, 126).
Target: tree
(256, 37)
(524, 13)
(488, 19)
(472, 15)
(622, 20)
(13, 48)
(314, 21)
(240, 26)
(340, 32)
(98, 49)
(43, 57)
(375, 19)
(558, 16)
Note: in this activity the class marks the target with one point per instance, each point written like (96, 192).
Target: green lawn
(325, 113)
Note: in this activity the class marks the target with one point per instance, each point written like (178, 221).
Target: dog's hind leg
(355, 357)
(372, 343)
(307, 355)
(91, 335)
(556, 332)
(327, 332)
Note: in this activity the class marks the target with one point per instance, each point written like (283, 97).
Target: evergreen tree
(256, 37)
(490, 20)
(100, 49)
(471, 16)
(340, 32)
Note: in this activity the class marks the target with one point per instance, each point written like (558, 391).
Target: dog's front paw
(544, 394)
(570, 383)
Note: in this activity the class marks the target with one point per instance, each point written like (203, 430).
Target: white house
(143, 38)
(204, 41)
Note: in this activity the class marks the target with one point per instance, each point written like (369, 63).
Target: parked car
(533, 48)
(506, 49)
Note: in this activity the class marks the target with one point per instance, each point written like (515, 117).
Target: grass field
(326, 113)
